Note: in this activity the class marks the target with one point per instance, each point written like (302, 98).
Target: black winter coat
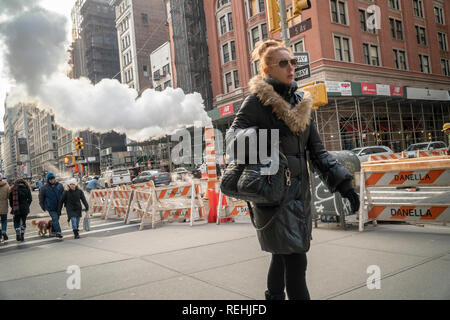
(72, 200)
(273, 105)
(25, 199)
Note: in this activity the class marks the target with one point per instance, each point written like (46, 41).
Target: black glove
(353, 197)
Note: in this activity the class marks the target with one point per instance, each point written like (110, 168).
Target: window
(236, 79)
(158, 88)
(144, 18)
(418, 8)
(445, 65)
(167, 84)
(424, 63)
(439, 14)
(342, 49)
(400, 59)
(221, 3)
(421, 35)
(255, 67)
(338, 14)
(299, 47)
(362, 20)
(145, 71)
(228, 83)
(394, 4)
(371, 54)
(363, 17)
(396, 29)
(166, 70)
(254, 7)
(226, 53)
(442, 40)
(223, 25)
(264, 31)
(255, 36)
(233, 51)
(262, 8)
(230, 21)
(156, 75)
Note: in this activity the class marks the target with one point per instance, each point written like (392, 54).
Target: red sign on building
(396, 91)
(226, 110)
(368, 88)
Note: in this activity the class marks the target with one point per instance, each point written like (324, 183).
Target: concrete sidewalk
(207, 261)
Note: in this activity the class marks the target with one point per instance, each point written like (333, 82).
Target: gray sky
(61, 6)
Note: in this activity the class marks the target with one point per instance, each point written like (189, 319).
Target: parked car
(112, 178)
(180, 173)
(158, 177)
(364, 152)
(432, 145)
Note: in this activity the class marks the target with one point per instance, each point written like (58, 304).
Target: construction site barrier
(118, 203)
(166, 204)
(229, 208)
(427, 171)
(389, 156)
(431, 153)
(99, 200)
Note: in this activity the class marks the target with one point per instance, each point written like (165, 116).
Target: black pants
(288, 270)
(20, 223)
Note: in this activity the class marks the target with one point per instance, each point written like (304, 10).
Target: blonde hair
(264, 53)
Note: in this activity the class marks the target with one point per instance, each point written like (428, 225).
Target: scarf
(15, 197)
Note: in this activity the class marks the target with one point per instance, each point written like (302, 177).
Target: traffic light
(319, 93)
(273, 12)
(299, 5)
(78, 142)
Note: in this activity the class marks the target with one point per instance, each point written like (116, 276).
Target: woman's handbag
(246, 182)
(87, 222)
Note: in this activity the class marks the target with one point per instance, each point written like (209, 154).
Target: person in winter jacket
(49, 197)
(93, 184)
(4, 197)
(72, 198)
(20, 199)
(275, 104)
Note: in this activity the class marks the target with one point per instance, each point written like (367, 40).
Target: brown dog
(43, 226)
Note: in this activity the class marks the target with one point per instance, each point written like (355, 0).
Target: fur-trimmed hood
(297, 118)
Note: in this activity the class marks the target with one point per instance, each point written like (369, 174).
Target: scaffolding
(350, 122)
(191, 48)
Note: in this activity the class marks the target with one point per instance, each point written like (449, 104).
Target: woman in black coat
(72, 198)
(20, 199)
(274, 103)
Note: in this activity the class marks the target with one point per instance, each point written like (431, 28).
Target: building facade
(386, 85)
(189, 47)
(161, 67)
(141, 28)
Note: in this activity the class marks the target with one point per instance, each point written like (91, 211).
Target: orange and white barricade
(230, 208)
(140, 205)
(431, 153)
(98, 201)
(118, 203)
(173, 202)
(431, 172)
(389, 156)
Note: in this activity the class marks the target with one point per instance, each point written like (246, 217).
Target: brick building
(385, 86)
(141, 28)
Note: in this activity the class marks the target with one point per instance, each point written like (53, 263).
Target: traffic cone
(213, 199)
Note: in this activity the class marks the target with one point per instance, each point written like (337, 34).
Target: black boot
(270, 296)
(22, 237)
(18, 236)
(5, 236)
(77, 235)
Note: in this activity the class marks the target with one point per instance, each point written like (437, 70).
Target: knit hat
(50, 176)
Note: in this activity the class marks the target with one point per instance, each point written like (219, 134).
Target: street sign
(303, 69)
(301, 27)
(79, 158)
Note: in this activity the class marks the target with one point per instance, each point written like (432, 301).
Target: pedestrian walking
(39, 184)
(446, 129)
(93, 184)
(20, 199)
(274, 103)
(49, 197)
(71, 199)
(4, 198)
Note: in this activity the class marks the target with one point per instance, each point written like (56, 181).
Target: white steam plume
(35, 51)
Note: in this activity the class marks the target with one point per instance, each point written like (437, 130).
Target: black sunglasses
(284, 63)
